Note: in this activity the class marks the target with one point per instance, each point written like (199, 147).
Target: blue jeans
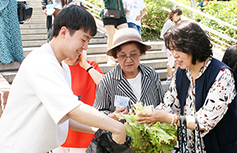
(137, 27)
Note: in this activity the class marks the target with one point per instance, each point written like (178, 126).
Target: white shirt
(135, 7)
(166, 26)
(135, 84)
(39, 99)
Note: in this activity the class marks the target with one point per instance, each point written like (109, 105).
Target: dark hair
(230, 57)
(74, 18)
(140, 46)
(188, 37)
(174, 10)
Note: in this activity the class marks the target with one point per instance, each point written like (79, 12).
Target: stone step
(34, 37)
(4, 85)
(100, 49)
(35, 21)
(33, 26)
(156, 64)
(33, 31)
(10, 75)
(14, 66)
(38, 43)
(38, 16)
(102, 58)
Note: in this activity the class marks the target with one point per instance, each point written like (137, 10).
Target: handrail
(95, 10)
(226, 37)
(204, 14)
(210, 30)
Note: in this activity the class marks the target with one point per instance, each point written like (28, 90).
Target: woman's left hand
(152, 118)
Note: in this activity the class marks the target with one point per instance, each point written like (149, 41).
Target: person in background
(37, 118)
(230, 57)
(85, 77)
(201, 7)
(135, 10)
(111, 24)
(10, 35)
(202, 4)
(170, 21)
(202, 94)
(130, 81)
(50, 18)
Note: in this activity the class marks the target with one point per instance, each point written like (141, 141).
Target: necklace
(204, 63)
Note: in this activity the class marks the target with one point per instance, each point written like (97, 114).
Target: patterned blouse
(213, 109)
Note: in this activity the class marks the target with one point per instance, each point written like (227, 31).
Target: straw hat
(126, 35)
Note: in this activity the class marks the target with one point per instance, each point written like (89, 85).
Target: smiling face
(75, 44)
(184, 60)
(129, 59)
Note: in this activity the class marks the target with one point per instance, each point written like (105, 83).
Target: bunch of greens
(160, 137)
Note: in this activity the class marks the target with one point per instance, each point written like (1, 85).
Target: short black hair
(140, 46)
(188, 37)
(230, 57)
(74, 18)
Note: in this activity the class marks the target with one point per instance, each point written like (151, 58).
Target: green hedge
(155, 17)
(225, 11)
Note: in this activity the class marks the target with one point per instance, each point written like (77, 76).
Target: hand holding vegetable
(152, 118)
(160, 137)
(122, 110)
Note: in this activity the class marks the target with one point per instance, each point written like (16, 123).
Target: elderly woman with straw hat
(130, 81)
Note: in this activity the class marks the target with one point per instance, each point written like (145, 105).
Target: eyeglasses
(132, 56)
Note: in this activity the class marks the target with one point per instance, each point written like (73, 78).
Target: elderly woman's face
(129, 58)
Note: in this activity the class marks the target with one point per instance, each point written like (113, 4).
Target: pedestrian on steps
(11, 49)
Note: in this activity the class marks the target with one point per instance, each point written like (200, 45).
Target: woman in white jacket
(173, 18)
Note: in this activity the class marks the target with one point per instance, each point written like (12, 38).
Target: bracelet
(87, 70)
(172, 121)
(176, 120)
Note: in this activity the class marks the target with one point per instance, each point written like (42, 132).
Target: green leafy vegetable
(160, 137)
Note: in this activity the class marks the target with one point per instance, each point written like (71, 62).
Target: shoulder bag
(24, 11)
(108, 13)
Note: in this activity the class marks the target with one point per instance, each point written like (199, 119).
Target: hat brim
(111, 50)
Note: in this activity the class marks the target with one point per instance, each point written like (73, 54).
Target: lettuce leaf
(160, 137)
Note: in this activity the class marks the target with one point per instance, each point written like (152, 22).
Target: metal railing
(226, 37)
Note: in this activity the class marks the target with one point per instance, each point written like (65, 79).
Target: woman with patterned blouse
(202, 93)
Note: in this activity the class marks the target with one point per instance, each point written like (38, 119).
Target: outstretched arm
(89, 116)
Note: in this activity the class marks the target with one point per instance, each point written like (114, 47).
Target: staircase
(34, 34)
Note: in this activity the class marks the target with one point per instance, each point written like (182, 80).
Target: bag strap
(199, 140)
(182, 134)
(119, 4)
